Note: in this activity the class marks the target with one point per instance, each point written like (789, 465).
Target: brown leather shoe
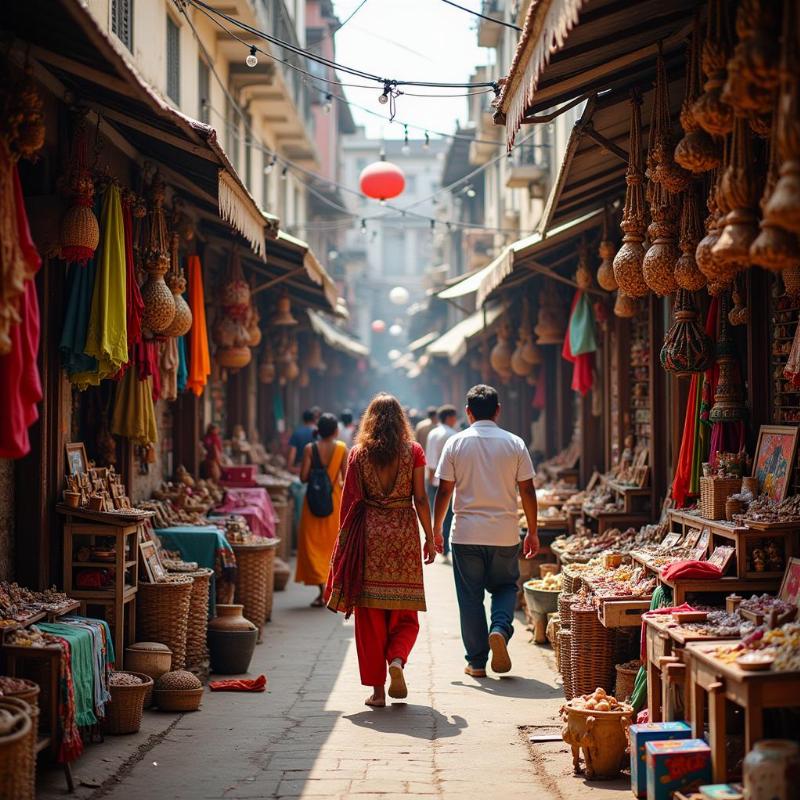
(474, 672)
(501, 661)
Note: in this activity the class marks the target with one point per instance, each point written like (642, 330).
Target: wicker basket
(18, 750)
(178, 699)
(162, 613)
(626, 678)
(254, 581)
(124, 712)
(553, 627)
(714, 492)
(571, 582)
(281, 574)
(592, 652)
(565, 600)
(197, 624)
(151, 658)
(565, 660)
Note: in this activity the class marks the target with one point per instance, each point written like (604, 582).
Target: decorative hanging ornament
(500, 357)
(377, 326)
(660, 260)
(687, 274)
(687, 347)
(606, 251)
(283, 318)
(399, 296)
(707, 262)
(266, 369)
(382, 180)
(159, 302)
(550, 321)
(710, 112)
(396, 329)
(80, 232)
(728, 404)
(182, 321)
(629, 257)
(740, 313)
(520, 363)
(697, 151)
(625, 307)
(583, 275)
(314, 359)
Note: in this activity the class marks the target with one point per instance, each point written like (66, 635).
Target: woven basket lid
(149, 647)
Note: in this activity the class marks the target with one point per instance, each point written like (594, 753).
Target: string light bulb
(271, 165)
(426, 145)
(363, 227)
(252, 58)
(469, 191)
(383, 98)
(328, 103)
(284, 173)
(406, 148)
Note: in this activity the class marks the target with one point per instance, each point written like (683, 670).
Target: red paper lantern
(382, 180)
(378, 326)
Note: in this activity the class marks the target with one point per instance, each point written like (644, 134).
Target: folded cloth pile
(258, 684)
(691, 570)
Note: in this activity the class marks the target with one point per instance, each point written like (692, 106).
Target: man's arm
(527, 492)
(290, 458)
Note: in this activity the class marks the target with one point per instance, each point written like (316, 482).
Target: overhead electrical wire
(483, 16)
(347, 19)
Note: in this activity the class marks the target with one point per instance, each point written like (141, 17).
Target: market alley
(311, 735)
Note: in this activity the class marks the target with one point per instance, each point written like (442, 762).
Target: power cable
(483, 16)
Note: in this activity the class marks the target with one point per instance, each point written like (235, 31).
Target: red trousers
(381, 637)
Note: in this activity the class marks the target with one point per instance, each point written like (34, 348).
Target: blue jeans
(479, 569)
(448, 517)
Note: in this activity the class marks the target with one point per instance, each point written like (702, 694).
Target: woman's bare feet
(377, 699)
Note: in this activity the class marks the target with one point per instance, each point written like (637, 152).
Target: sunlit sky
(424, 40)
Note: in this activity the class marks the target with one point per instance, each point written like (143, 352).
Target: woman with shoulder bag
(323, 470)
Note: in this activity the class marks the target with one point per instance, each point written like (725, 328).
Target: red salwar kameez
(376, 569)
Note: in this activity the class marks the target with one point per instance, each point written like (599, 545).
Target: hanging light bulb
(383, 99)
(382, 202)
(470, 191)
(363, 227)
(328, 103)
(406, 148)
(427, 142)
(271, 165)
(284, 173)
(433, 226)
(252, 58)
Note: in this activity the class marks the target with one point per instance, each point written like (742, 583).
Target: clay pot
(230, 618)
(231, 640)
(600, 736)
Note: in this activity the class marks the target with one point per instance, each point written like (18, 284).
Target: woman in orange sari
(376, 570)
(317, 535)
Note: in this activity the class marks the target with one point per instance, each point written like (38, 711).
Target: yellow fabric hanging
(107, 334)
(134, 413)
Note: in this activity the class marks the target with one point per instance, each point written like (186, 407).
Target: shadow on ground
(403, 719)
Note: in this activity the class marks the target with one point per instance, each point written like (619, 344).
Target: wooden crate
(623, 613)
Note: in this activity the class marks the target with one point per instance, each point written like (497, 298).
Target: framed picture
(77, 463)
(670, 540)
(790, 586)
(774, 458)
(700, 550)
(152, 562)
(692, 537)
(722, 556)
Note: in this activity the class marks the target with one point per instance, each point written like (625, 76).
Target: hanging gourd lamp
(382, 180)
(283, 315)
(159, 302)
(182, 321)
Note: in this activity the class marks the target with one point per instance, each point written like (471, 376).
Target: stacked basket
(20, 722)
(255, 580)
(565, 642)
(197, 622)
(162, 614)
(590, 638)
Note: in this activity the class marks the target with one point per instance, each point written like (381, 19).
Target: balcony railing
(283, 28)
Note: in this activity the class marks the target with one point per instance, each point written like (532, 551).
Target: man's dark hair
(431, 412)
(308, 416)
(483, 401)
(446, 411)
(327, 425)
(346, 416)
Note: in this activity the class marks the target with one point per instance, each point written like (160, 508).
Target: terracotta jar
(231, 640)
(599, 736)
(230, 618)
(772, 770)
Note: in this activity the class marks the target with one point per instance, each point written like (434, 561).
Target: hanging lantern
(182, 321)
(704, 254)
(396, 329)
(606, 251)
(80, 232)
(233, 358)
(304, 378)
(399, 296)
(378, 326)
(283, 314)
(687, 347)
(660, 259)
(710, 112)
(382, 180)
(500, 357)
(583, 275)
(314, 360)
(625, 307)
(687, 274)
(550, 322)
(629, 257)
(728, 404)
(159, 302)
(254, 334)
(266, 369)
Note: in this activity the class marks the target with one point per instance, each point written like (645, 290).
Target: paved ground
(311, 736)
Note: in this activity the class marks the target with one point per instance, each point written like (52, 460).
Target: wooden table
(753, 691)
(616, 519)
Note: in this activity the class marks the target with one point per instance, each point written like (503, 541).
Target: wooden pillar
(187, 431)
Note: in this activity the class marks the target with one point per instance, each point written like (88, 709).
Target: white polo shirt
(436, 442)
(486, 463)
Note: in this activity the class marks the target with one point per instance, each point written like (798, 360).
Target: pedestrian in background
(376, 570)
(486, 467)
(436, 441)
(301, 436)
(347, 428)
(425, 426)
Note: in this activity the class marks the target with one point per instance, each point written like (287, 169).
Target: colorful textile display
(106, 333)
(199, 358)
(255, 506)
(691, 570)
(134, 305)
(134, 412)
(169, 369)
(580, 343)
(183, 366)
(71, 746)
(662, 598)
(147, 365)
(103, 648)
(80, 282)
(19, 370)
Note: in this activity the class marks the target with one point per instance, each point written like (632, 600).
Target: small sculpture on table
(212, 464)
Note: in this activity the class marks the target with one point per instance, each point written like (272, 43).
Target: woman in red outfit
(376, 569)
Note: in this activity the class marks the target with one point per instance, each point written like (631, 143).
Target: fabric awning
(335, 338)
(533, 247)
(468, 285)
(315, 271)
(423, 341)
(574, 48)
(453, 344)
(71, 52)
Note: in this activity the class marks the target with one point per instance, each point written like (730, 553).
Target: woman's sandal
(397, 688)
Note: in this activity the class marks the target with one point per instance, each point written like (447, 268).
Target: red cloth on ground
(691, 570)
(643, 637)
(19, 369)
(258, 684)
(381, 637)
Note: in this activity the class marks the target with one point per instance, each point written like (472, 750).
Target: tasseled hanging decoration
(728, 404)
(710, 112)
(628, 260)
(606, 251)
(687, 274)
(687, 348)
(159, 302)
(697, 151)
(182, 321)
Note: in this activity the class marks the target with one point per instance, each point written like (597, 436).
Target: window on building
(203, 92)
(173, 60)
(122, 21)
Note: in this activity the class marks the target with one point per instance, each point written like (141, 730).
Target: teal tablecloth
(205, 544)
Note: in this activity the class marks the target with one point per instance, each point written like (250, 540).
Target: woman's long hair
(384, 430)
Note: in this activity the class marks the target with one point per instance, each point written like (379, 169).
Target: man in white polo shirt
(486, 466)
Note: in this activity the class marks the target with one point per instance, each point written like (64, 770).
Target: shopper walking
(301, 436)
(347, 428)
(486, 466)
(376, 570)
(318, 530)
(433, 452)
(425, 426)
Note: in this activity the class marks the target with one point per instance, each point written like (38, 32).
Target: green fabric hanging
(581, 328)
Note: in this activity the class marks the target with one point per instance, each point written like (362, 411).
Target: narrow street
(311, 736)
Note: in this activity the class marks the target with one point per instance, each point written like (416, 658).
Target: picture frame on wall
(77, 462)
(774, 459)
(152, 562)
(790, 586)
